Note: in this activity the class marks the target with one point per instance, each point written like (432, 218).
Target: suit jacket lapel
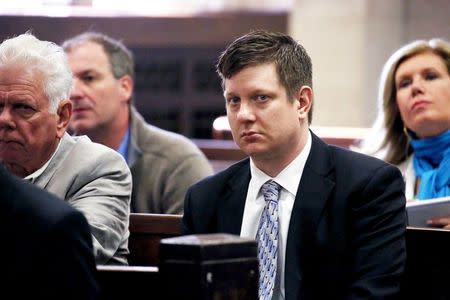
(231, 204)
(313, 192)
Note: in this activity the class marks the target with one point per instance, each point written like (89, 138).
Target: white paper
(420, 211)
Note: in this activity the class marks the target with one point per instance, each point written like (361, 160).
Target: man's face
(29, 133)
(264, 122)
(97, 96)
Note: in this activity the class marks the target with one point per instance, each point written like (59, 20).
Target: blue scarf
(432, 165)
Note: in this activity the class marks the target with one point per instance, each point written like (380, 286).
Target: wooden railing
(190, 267)
(427, 264)
(146, 231)
(129, 282)
(426, 276)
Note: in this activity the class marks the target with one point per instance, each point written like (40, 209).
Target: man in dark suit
(46, 245)
(332, 225)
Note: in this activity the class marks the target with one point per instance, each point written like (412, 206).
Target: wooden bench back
(146, 230)
(129, 282)
(190, 268)
(426, 275)
(427, 264)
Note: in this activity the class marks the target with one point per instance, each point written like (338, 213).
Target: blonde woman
(412, 128)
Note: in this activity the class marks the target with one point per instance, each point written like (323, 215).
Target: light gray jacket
(97, 181)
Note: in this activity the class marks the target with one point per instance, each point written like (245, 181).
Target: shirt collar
(289, 177)
(124, 144)
(32, 177)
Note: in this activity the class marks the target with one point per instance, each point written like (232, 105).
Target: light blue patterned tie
(267, 238)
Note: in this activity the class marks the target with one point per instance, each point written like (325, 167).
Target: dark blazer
(346, 233)
(46, 245)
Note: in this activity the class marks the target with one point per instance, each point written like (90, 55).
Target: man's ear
(126, 87)
(304, 100)
(64, 113)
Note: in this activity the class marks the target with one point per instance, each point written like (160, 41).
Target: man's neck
(34, 172)
(111, 135)
(272, 165)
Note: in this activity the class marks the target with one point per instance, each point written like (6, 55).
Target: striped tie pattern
(267, 238)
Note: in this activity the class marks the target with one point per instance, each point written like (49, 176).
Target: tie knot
(270, 190)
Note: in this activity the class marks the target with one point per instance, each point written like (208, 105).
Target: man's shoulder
(351, 166)
(80, 157)
(323, 156)
(151, 139)
(224, 177)
(92, 151)
(350, 158)
(83, 142)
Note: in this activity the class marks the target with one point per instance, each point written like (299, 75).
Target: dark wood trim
(155, 223)
(146, 231)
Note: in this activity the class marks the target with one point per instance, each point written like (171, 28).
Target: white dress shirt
(289, 179)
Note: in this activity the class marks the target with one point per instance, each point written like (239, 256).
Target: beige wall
(349, 41)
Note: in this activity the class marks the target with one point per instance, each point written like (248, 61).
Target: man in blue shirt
(163, 164)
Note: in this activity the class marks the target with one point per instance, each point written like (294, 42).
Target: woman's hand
(441, 222)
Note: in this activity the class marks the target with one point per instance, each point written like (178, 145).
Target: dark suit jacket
(347, 228)
(46, 245)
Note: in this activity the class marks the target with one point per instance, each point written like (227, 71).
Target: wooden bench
(220, 153)
(220, 149)
(427, 264)
(190, 268)
(146, 231)
(128, 282)
(426, 275)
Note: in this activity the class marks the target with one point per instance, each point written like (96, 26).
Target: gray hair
(44, 57)
(387, 139)
(120, 57)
